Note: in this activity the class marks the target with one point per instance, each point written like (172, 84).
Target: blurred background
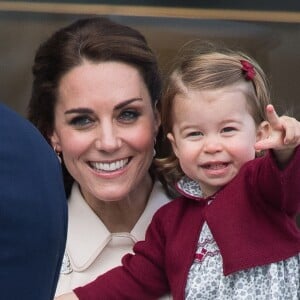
(268, 30)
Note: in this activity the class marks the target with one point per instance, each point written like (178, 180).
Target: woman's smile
(109, 166)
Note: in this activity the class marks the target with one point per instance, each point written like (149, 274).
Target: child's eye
(81, 121)
(194, 134)
(128, 115)
(228, 129)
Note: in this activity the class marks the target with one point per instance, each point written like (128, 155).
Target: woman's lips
(109, 166)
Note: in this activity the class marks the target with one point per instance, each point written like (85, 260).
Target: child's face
(213, 135)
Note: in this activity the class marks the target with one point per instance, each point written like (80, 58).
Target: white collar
(86, 229)
(189, 188)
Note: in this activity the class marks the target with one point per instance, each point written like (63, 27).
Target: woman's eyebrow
(79, 110)
(126, 102)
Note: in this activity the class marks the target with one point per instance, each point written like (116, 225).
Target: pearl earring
(57, 154)
(154, 151)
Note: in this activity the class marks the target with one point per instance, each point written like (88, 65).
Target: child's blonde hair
(205, 66)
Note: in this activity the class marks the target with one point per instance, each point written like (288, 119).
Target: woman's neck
(122, 215)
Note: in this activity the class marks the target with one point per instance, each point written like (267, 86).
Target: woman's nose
(107, 139)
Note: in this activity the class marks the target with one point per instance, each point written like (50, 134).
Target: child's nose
(212, 144)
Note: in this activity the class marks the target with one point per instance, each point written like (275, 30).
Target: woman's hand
(69, 296)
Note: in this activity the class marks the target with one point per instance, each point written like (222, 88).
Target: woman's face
(105, 127)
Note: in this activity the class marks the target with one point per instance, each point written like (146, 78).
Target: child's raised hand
(284, 132)
(284, 136)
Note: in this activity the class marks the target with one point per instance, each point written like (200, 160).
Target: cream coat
(91, 249)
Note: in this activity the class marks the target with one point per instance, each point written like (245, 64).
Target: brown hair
(206, 66)
(95, 39)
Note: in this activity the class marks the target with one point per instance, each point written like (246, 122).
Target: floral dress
(280, 280)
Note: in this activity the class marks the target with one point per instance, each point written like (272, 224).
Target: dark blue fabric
(33, 211)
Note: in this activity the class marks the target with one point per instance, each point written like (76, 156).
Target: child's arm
(284, 136)
(69, 296)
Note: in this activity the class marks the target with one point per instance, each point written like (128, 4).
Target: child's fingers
(292, 130)
(269, 143)
(272, 117)
(285, 132)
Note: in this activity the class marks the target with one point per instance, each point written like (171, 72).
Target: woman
(95, 89)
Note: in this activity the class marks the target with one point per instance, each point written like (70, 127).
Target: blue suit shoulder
(33, 211)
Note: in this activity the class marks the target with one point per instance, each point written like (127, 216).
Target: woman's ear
(157, 117)
(55, 141)
(171, 138)
(263, 131)
(157, 120)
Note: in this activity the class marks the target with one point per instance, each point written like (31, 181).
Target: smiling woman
(100, 126)
(96, 85)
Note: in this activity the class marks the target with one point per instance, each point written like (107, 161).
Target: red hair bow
(248, 69)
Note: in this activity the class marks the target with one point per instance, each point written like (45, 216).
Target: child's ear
(171, 138)
(263, 131)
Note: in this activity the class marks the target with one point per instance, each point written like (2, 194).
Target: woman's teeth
(109, 167)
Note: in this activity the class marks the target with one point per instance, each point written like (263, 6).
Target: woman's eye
(81, 121)
(129, 115)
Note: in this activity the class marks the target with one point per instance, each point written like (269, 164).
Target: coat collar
(86, 229)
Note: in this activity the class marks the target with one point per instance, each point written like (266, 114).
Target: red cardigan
(252, 220)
